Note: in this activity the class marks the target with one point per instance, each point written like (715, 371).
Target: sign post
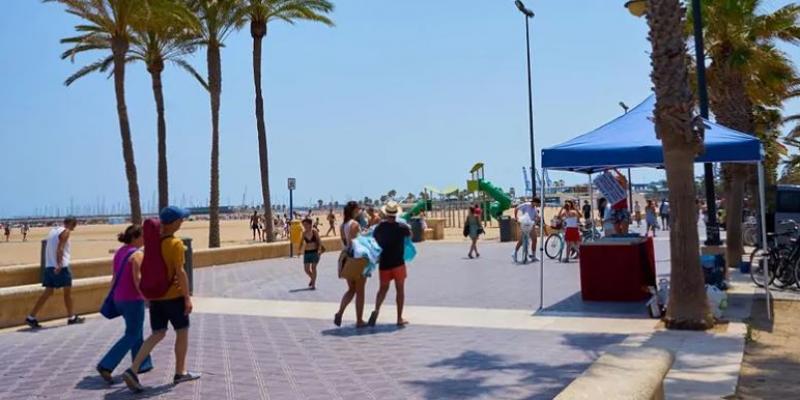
(292, 184)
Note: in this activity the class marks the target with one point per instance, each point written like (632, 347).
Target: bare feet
(361, 324)
(402, 322)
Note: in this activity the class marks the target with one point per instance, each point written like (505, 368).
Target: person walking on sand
(391, 237)
(7, 230)
(350, 269)
(530, 215)
(372, 217)
(173, 308)
(254, 225)
(57, 273)
(473, 229)
(24, 230)
(331, 223)
(129, 301)
(312, 249)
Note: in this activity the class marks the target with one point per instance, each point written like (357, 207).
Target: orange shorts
(396, 273)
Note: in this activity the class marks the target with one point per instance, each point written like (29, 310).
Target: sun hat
(391, 209)
(171, 214)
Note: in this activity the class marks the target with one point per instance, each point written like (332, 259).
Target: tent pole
(630, 191)
(763, 211)
(541, 242)
(591, 208)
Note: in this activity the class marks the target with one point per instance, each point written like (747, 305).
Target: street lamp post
(639, 8)
(528, 15)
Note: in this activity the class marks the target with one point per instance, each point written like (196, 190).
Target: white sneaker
(514, 257)
(534, 258)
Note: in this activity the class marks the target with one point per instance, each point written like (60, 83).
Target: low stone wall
(30, 274)
(436, 225)
(16, 302)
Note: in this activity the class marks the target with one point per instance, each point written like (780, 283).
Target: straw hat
(391, 209)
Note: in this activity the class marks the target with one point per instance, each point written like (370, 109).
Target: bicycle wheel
(553, 246)
(784, 271)
(525, 248)
(759, 261)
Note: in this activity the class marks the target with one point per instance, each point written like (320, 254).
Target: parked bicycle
(780, 262)
(554, 244)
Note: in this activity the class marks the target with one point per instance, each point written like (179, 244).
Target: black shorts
(60, 280)
(172, 311)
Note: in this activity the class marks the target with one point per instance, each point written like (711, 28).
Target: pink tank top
(125, 291)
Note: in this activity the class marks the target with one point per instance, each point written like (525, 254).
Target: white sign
(292, 183)
(610, 187)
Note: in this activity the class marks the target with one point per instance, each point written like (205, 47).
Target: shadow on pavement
(149, 392)
(94, 382)
(574, 305)
(350, 331)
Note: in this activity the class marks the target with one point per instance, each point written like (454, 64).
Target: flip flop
(337, 319)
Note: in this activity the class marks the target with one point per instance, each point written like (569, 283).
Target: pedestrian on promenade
(473, 229)
(350, 269)
(7, 230)
(572, 233)
(530, 218)
(331, 223)
(391, 237)
(664, 212)
(129, 302)
(372, 217)
(650, 217)
(57, 273)
(254, 225)
(24, 230)
(173, 307)
(637, 213)
(587, 211)
(312, 249)
(264, 222)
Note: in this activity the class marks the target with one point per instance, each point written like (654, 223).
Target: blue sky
(400, 94)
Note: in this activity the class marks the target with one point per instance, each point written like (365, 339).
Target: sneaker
(105, 374)
(75, 320)
(132, 381)
(534, 258)
(514, 257)
(189, 376)
(32, 322)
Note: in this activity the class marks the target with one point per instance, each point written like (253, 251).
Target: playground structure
(453, 204)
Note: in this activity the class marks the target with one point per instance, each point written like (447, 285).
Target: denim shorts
(59, 280)
(168, 311)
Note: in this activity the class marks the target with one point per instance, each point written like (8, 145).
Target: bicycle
(781, 261)
(554, 244)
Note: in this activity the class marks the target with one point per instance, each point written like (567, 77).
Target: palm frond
(190, 69)
(97, 66)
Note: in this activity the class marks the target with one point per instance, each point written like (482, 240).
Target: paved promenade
(257, 333)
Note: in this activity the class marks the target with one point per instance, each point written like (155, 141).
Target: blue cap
(172, 213)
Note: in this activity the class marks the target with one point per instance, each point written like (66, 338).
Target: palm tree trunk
(687, 308)
(163, 184)
(258, 31)
(119, 48)
(735, 177)
(215, 88)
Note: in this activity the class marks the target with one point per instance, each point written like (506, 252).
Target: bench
(623, 373)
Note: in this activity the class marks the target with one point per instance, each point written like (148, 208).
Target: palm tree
(109, 26)
(681, 139)
(260, 13)
(747, 71)
(166, 36)
(218, 18)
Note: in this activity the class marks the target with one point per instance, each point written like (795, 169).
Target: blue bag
(410, 250)
(109, 309)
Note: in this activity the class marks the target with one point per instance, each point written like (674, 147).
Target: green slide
(502, 201)
(418, 207)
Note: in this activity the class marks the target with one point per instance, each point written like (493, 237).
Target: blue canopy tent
(630, 141)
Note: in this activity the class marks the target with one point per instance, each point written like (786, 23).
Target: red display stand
(617, 269)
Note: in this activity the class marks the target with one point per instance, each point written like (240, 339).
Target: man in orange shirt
(174, 307)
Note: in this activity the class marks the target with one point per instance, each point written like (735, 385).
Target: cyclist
(530, 218)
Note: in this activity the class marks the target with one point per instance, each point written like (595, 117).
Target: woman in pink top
(129, 301)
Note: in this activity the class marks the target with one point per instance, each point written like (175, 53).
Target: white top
(52, 247)
(529, 210)
(346, 232)
(572, 222)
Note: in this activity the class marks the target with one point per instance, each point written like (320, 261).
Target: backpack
(155, 282)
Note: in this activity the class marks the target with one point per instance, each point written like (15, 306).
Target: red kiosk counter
(617, 269)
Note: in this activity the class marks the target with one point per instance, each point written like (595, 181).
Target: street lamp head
(637, 7)
(624, 106)
(521, 7)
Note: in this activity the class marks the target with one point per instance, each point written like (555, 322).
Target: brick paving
(245, 357)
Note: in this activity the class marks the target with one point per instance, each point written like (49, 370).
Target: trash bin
(188, 265)
(295, 235)
(506, 229)
(417, 231)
